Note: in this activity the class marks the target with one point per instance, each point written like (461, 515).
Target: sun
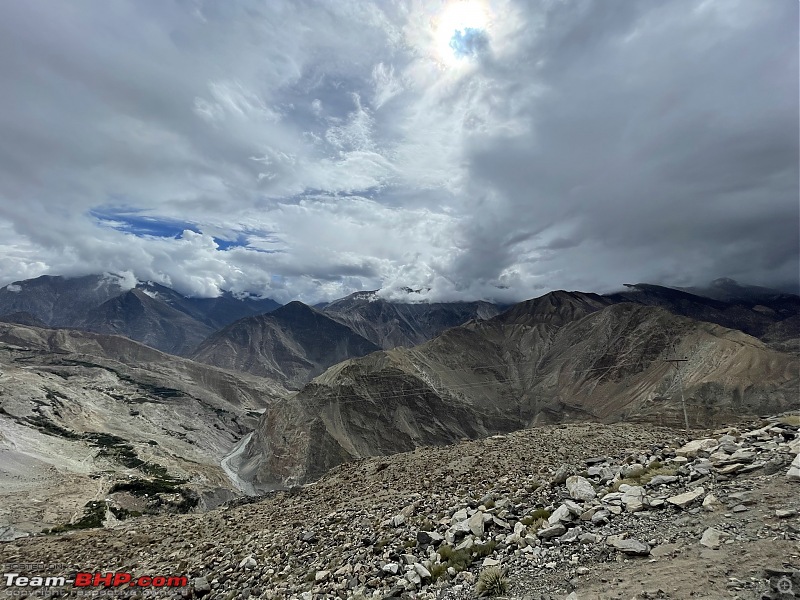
(458, 19)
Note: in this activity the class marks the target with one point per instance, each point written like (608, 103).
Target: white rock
(322, 575)
(691, 449)
(421, 570)
(712, 538)
(580, 488)
(490, 562)
(475, 523)
(711, 502)
(632, 498)
(560, 514)
(459, 515)
(794, 470)
(628, 546)
(685, 499)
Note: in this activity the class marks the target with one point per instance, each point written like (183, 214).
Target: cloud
(303, 150)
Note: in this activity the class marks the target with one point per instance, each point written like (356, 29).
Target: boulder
(712, 538)
(475, 523)
(632, 497)
(662, 480)
(685, 499)
(711, 502)
(794, 470)
(562, 513)
(580, 488)
(422, 571)
(691, 449)
(628, 546)
(553, 531)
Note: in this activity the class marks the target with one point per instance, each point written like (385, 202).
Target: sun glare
(456, 19)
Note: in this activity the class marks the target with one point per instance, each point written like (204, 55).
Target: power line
(677, 362)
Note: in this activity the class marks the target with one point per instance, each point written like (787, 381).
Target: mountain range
(149, 312)
(234, 394)
(563, 356)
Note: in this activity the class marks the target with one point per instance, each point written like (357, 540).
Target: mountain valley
(83, 414)
(267, 397)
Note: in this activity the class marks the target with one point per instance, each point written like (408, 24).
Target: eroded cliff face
(82, 414)
(566, 358)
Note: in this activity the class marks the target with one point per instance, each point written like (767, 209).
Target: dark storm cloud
(667, 141)
(308, 149)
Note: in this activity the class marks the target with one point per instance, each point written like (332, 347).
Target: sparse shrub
(628, 480)
(458, 559)
(536, 517)
(446, 551)
(437, 571)
(647, 477)
(489, 504)
(492, 581)
(484, 550)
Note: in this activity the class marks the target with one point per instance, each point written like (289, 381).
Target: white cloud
(587, 145)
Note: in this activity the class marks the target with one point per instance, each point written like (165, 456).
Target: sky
(481, 149)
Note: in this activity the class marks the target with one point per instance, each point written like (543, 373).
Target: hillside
(82, 413)
(587, 512)
(291, 345)
(555, 359)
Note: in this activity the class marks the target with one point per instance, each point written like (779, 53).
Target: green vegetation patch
(46, 426)
(492, 581)
(93, 514)
(155, 488)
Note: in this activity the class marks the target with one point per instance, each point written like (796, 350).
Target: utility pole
(677, 362)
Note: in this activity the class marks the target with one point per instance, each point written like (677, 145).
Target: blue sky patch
(129, 221)
(469, 42)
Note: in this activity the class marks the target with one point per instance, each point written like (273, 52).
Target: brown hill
(530, 365)
(290, 345)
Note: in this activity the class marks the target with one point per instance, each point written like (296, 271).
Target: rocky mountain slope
(581, 511)
(83, 415)
(391, 324)
(138, 316)
(759, 314)
(290, 345)
(149, 313)
(556, 358)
